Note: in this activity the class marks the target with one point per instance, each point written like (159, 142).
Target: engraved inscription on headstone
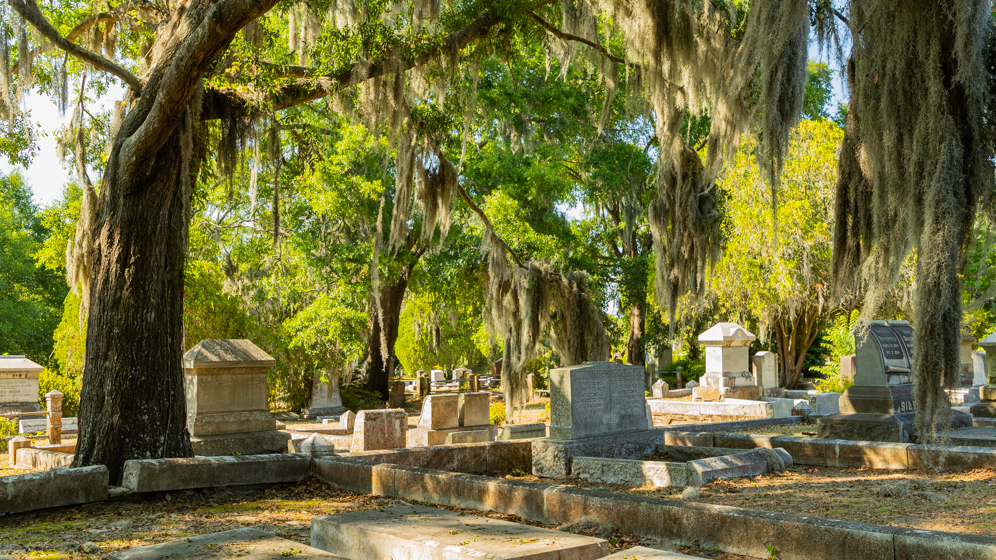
(883, 353)
(596, 398)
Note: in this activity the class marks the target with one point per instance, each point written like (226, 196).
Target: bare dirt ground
(959, 502)
(94, 530)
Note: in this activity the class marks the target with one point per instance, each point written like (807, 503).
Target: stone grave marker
(979, 369)
(660, 389)
(380, 429)
(987, 392)
(325, 398)
(438, 376)
(474, 384)
(396, 395)
(727, 364)
(531, 385)
(19, 384)
(765, 369)
(596, 398)
(227, 412)
(965, 357)
(848, 365)
(474, 409)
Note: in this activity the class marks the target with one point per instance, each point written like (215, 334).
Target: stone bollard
(475, 383)
(13, 445)
(54, 400)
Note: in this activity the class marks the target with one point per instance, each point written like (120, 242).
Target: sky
(47, 177)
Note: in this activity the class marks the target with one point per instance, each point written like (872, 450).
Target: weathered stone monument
(879, 406)
(227, 412)
(987, 392)
(965, 355)
(325, 398)
(438, 376)
(531, 385)
(848, 365)
(727, 365)
(446, 414)
(380, 429)
(396, 394)
(593, 404)
(19, 384)
(660, 389)
(765, 370)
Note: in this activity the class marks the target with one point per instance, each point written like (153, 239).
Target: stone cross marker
(19, 384)
(227, 411)
(596, 398)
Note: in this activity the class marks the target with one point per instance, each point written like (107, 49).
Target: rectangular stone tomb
(248, 543)
(475, 409)
(227, 410)
(417, 532)
(596, 398)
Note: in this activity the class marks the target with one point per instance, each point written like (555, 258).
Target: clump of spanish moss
(915, 165)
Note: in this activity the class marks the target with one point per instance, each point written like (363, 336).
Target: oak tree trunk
(380, 366)
(795, 335)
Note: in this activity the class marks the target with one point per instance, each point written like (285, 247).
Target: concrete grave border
(60, 487)
(731, 529)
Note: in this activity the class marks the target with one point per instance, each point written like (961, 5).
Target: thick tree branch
(487, 224)
(29, 10)
(569, 37)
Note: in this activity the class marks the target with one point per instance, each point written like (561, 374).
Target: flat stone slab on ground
(644, 553)
(704, 471)
(522, 431)
(249, 543)
(59, 487)
(166, 475)
(417, 532)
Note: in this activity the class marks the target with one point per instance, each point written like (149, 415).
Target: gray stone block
(381, 429)
(658, 474)
(704, 471)
(351, 474)
(41, 459)
(59, 487)
(164, 475)
(522, 431)
(843, 453)
(551, 458)
(435, 534)
(596, 398)
(248, 543)
(469, 436)
(510, 455)
(247, 443)
(475, 409)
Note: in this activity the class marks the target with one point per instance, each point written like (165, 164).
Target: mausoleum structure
(227, 412)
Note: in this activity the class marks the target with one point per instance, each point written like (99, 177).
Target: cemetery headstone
(679, 380)
(347, 421)
(660, 389)
(531, 385)
(727, 365)
(445, 414)
(380, 429)
(879, 406)
(987, 392)
(438, 376)
(461, 373)
(396, 398)
(424, 387)
(979, 369)
(474, 409)
(227, 412)
(325, 398)
(765, 368)
(596, 398)
(965, 355)
(848, 365)
(651, 368)
(474, 384)
(19, 384)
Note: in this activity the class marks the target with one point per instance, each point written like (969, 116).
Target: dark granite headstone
(595, 399)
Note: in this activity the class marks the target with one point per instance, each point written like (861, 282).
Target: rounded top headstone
(726, 334)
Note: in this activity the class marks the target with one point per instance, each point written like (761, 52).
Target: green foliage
(70, 338)
(838, 342)
(356, 398)
(690, 370)
(69, 385)
(816, 103)
(8, 429)
(30, 296)
(497, 414)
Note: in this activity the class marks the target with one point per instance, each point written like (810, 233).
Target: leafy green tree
(30, 296)
(782, 277)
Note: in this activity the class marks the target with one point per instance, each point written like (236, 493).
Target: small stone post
(531, 385)
(678, 380)
(13, 445)
(54, 400)
(475, 383)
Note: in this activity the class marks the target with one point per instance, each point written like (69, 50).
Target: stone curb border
(731, 529)
(846, 453)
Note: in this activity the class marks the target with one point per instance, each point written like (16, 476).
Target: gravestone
(765, 370)
(227, 411)
(531, 385)
(879, 406)
(438, 376)
(727, 365)
(422, 386)
(979, 369)
(595, 399)
(651, 372)
(325, 398)
(474, 409)
(965, 357)
(396, 395)
(461, 373)
(442, 414)
(380, 429)
(19, 384)
(987, 392)
(848, 365)
(474, 383)
(660, 389)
